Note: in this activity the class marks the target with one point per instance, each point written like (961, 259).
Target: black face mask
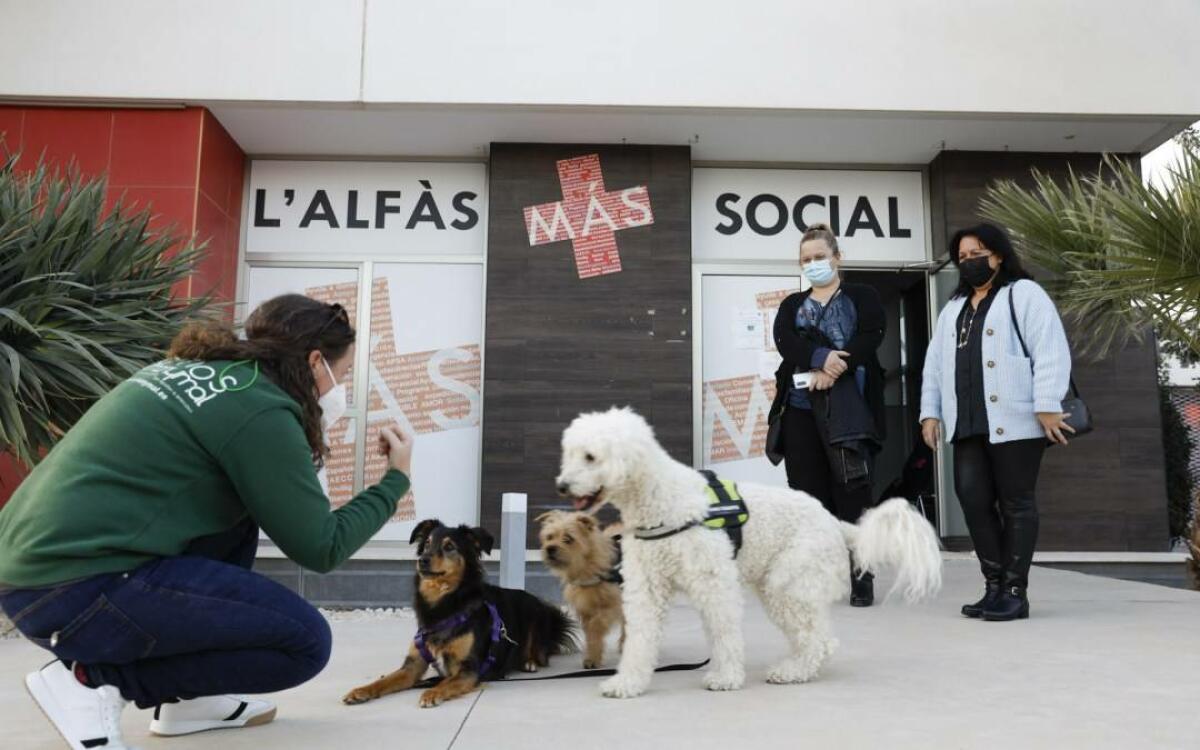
(976, 271)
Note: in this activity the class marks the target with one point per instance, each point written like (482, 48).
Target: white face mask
(819, 272)
(333, 403)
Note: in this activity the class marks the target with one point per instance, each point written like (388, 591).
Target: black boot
(994, 581)
(990, 593)
(862, 590)
(1011, 604)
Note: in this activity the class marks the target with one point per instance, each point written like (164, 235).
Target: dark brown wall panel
(557, 344)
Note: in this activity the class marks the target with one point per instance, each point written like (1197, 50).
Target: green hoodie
(181, 450)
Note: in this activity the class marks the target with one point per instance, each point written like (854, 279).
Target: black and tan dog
(469, 630)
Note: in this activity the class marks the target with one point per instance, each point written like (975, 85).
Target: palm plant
(85, 300)
(1123, 255)
(1124, 258)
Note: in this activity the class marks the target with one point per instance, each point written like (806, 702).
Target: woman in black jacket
(829, 389)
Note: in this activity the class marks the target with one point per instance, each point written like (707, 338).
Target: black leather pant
(995, 485)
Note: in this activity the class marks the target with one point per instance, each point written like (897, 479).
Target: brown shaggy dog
(583, 557)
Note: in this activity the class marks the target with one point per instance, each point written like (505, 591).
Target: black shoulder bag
(774, 445)
(1079, 418)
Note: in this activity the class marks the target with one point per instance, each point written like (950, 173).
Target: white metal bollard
(512, 540)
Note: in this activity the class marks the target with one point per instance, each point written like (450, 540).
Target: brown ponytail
(199, 340)
(279, 335)
(821, 232)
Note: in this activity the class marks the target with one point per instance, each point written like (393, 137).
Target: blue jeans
(180, 627)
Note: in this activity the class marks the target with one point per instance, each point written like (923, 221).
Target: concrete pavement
(1101, 664)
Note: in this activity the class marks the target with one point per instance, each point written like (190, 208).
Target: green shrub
(85, 300)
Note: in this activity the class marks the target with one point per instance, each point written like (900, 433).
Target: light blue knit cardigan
(1013, 390)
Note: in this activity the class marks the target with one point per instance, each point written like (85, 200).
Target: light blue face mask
(818, 272)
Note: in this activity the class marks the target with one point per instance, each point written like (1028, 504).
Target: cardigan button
(990, 331)
(999, 430)
(994, 398)
(991, 363)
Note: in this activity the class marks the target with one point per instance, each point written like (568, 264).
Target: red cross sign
(588, 216)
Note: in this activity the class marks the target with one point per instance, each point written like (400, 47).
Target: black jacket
(797, 349)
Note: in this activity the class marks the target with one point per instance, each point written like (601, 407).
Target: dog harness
(726, 511)
(613, 574)
(498, 631)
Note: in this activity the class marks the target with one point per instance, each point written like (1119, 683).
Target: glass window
(739, 360)
(422, 347)
(426, 374)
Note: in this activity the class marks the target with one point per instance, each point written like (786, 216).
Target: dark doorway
(905, 300)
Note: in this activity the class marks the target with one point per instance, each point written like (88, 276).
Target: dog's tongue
(580, 503)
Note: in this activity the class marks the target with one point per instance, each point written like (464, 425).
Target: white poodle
(795, 555)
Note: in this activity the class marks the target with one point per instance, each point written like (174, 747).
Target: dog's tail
(556, 632)
(894, 535)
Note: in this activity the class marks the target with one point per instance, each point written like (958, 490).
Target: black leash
(430, 682)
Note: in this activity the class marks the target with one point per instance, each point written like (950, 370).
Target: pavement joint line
(478, 697)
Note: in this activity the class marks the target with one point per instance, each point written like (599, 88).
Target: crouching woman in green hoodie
(127, 551)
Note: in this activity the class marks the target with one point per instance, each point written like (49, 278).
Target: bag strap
(1012, 310)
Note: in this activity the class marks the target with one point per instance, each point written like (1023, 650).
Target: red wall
(179, 163)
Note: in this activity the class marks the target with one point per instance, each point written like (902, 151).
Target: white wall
(1049, 56)
(179, 50)
(1086, 56)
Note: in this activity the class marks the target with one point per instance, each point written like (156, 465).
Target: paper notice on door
(747, 329)
(768, 363)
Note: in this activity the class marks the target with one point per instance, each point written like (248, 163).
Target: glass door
(419, 364)
(737, 373)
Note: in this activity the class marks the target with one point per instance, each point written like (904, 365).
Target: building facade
(534, 209)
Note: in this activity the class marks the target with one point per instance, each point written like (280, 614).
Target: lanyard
(824, 308)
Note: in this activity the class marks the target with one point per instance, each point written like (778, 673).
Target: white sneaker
(85, 717)
(212, 712)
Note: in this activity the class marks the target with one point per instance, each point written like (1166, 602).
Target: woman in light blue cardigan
(999, 408)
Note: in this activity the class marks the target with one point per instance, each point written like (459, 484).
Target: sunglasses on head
(337, 312)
